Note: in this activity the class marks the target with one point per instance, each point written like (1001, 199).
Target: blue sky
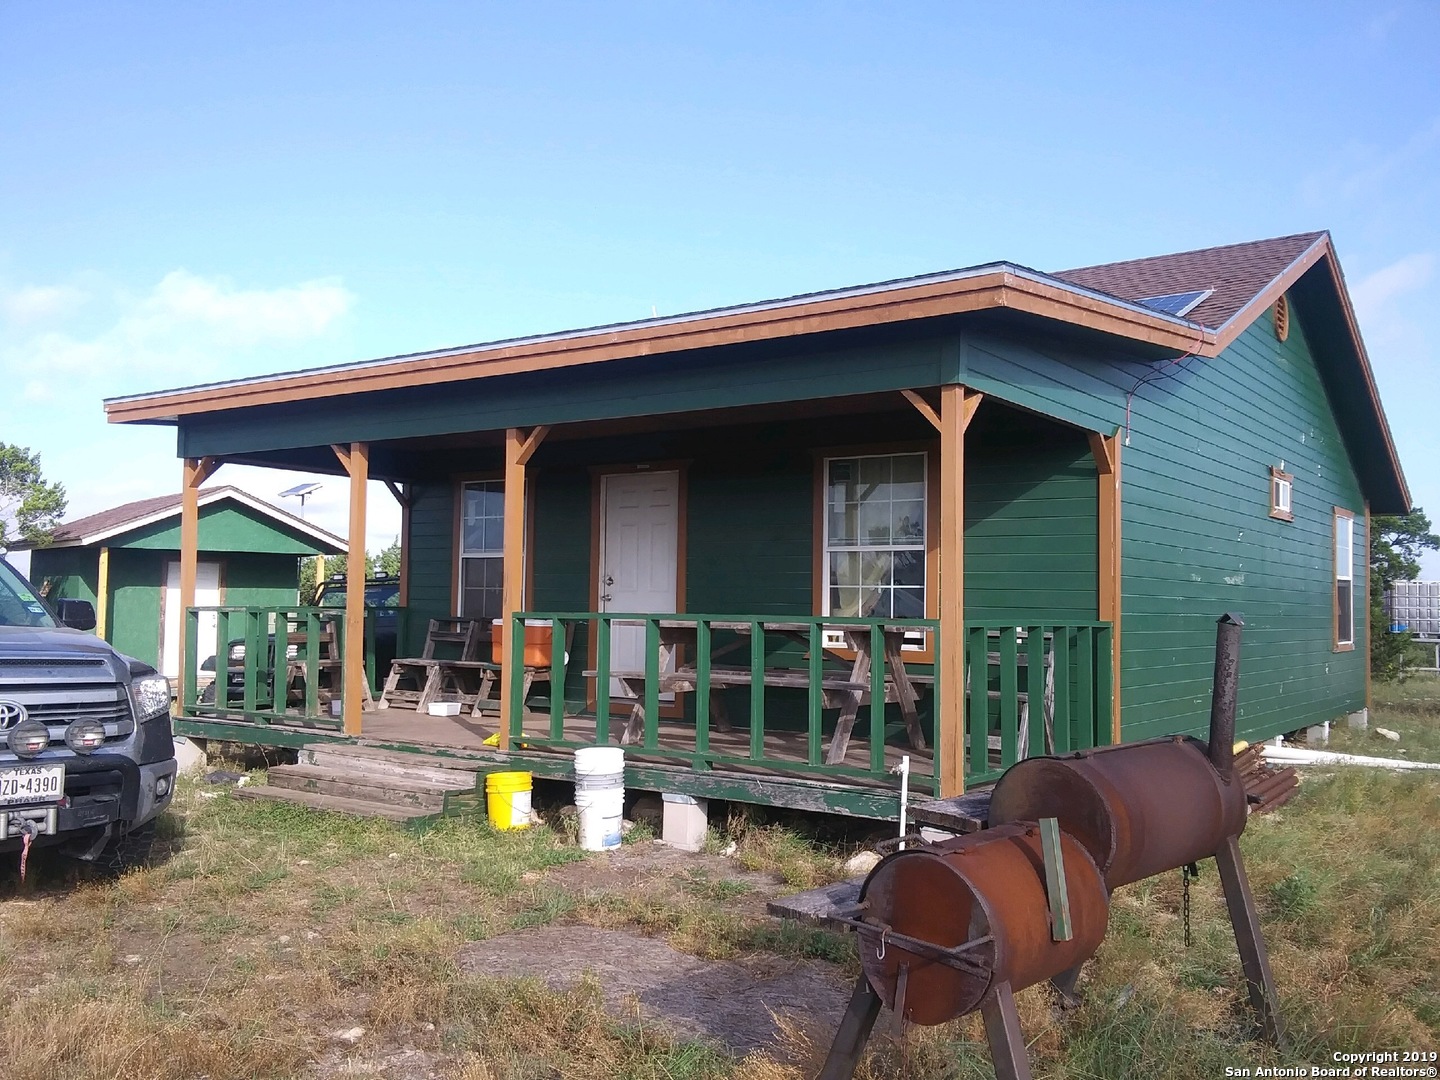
(192, 191)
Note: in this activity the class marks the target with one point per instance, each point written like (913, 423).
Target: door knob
(609, 580)
(605, 598)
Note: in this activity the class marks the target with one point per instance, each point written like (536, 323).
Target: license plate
(32, 784)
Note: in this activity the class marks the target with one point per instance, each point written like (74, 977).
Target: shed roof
(119, 520)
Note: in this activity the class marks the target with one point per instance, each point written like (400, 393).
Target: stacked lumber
(1266, 786)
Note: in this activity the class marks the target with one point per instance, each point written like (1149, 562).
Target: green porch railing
(1030, 689)
(794, 673)
(1046, 689)
(276, 664)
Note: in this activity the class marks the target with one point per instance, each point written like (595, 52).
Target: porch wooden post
(1106, 450)
(194, 472)
(957, 409)
(356, 459)
(519, 447)
(102, 594)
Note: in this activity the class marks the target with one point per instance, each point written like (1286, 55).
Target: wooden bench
(432, 676)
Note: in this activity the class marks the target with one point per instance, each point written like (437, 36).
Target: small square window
(1282, 487)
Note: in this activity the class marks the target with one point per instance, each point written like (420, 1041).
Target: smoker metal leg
(1002, 1032)
(853, 1033)
(1064, 985)
(1249, 940)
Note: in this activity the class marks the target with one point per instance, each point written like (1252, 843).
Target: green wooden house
(961, 517)
(126, 561)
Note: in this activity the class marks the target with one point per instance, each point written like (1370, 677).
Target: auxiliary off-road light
(28, 739)
(85, 736)
(162, 787)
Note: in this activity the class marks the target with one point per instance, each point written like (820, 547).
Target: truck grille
(57, 691)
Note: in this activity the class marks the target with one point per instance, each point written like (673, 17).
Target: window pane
(1344, 547)
(910, 568)
(1345, 606)
(908, 521)
(875, 502)
(909, 604)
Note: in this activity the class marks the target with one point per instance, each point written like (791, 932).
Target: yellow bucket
(507, 797)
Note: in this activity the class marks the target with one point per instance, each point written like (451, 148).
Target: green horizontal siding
(431, 560)
(226, 526)
(1199, 541)
(1030, 532)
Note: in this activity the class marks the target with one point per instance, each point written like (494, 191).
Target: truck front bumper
(100, 790)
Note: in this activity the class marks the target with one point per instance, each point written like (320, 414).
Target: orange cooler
(538, 635)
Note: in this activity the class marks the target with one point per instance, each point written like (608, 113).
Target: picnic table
(846, 691)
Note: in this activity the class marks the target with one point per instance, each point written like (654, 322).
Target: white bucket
(600, 796)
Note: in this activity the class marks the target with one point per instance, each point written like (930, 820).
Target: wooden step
(348, 784)
(457, 773)
(335, 804)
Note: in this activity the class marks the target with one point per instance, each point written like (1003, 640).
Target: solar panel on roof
(1177, 304)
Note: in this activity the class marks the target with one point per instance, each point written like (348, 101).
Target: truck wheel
(127, 851)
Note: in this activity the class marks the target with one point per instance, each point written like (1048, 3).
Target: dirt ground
(735, 1004)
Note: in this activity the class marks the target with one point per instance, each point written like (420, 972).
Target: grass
(1411, 709)
(268, 929)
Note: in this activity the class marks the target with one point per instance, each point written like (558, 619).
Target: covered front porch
(773, 604)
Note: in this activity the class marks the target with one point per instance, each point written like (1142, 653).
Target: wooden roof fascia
(994, 289)
(1367, 372)
(1238, 323)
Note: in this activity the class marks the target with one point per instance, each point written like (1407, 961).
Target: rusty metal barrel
(1139, 809)
(945, 923)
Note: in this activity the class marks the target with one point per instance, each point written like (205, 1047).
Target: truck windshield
(19, 606)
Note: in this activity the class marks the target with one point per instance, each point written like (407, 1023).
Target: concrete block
(1358, 721)
(190, 758)
(685, 823)
(1318, 734)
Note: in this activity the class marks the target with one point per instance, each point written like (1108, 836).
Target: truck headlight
(237, 653)
(151, 695)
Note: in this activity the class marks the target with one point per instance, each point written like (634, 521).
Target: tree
(1396, 544)
(387, 562)
(29, 507)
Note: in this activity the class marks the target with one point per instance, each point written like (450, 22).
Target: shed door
(207, 594)
(638, 559)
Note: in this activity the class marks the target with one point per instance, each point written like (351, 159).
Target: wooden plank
(960, 813)
(819, 907)
(194, 472)
(1057, 889)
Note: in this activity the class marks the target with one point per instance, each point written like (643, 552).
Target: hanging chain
(1187, 874)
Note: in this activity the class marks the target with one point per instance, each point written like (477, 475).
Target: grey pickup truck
(87, 761)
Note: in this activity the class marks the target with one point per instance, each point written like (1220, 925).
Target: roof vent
(1282, 317)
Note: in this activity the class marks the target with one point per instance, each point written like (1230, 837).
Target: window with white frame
(1344, 579)
(1282, 487)
(875, 520)
(482, 549)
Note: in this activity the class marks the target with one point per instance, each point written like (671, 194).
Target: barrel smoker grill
(947, 928)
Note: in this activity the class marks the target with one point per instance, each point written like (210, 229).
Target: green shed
(962, 517)
(126, 561)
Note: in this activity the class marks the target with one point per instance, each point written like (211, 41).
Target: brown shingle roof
(1237, 272)
(107, 521)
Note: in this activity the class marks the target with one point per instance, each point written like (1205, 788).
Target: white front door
(638, 557)
(207, 594)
